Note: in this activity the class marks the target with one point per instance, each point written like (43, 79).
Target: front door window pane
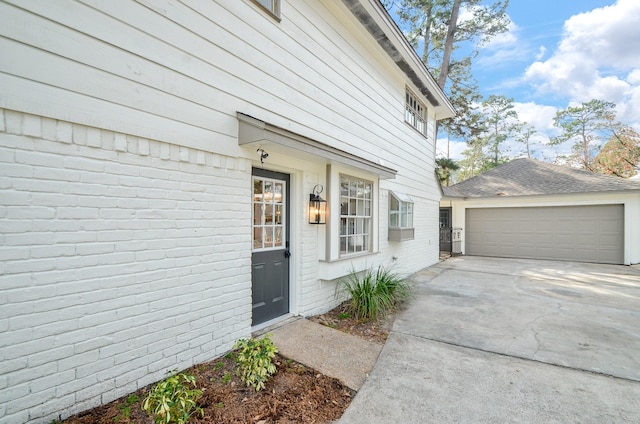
(268, 213)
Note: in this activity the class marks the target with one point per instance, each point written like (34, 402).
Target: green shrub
(254, 361)
(172, 400)
(375, 292)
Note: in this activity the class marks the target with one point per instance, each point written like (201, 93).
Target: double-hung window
(356, 208)
(400, 217)
(415, 113)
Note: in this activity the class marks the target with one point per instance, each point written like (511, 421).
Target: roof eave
(375, 18)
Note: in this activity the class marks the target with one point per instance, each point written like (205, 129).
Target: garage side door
(571, 233)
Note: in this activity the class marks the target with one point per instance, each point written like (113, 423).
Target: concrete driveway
(490, 340)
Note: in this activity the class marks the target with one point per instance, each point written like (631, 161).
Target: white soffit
(252, 131)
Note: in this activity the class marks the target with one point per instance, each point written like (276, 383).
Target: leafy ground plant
(125, 407)
(173, 400)
(254, 359)
(375, 292)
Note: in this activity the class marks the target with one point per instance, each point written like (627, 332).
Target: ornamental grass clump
(375, 292)
(254, 360)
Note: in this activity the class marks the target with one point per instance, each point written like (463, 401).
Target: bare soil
(295, 394)
(339, 318)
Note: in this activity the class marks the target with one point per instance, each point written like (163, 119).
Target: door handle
(287, 254)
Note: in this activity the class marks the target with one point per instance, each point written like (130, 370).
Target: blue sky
(559, 53)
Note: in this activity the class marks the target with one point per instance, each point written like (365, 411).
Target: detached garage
(535, 210)
(593, 233)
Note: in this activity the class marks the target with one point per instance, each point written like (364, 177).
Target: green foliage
(344, 315)
(125, 408)
(586, 125)
(445, 168)
(448, 44)
(173, 400)
(226, 378)
(620, 156)
(375, 292)
(254, 361)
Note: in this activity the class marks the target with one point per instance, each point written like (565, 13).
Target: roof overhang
(375, 18)
(253, 132)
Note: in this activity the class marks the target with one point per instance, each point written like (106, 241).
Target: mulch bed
(295, 394)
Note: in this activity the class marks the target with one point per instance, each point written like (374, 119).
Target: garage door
(570, 233)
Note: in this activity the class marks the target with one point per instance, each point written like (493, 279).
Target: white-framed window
(415, 113)
(268, 213)
(271, 6)
(356, 209)
(400, 217)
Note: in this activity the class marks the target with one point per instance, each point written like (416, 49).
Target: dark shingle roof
(526, 177)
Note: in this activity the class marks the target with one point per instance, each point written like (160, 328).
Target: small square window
(415, 113)
(400, 217)
(271, 6)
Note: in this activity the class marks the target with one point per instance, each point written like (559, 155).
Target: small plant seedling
(220, 404)
(173, 400)
(254, 361)
(125, 408)
(226, 378)
(218, 366)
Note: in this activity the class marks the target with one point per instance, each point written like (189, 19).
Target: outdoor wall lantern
(317, 206)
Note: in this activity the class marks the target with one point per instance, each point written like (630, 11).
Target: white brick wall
(120, 258)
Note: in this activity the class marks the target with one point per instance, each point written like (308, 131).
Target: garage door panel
(574, 233)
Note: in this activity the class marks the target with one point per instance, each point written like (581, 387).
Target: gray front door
(270, 255)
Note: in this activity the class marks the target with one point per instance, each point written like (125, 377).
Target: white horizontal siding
(181, 70)
(125, 167)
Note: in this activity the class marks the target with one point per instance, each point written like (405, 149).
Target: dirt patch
(341, 319)
(295, 394)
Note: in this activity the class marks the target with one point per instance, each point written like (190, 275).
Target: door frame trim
(269, 173)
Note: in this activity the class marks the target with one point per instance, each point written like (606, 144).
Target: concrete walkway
(504, 340)
(332, 352)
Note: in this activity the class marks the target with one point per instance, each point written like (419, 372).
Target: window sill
(416, 130)
(330, 270)
(401, 234)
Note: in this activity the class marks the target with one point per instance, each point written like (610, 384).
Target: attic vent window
(400, 217)
(271, 6)
(415, 113)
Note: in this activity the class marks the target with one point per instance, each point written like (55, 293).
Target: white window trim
(332, 253)
(365, 236)
(400, 232)
(416, 112)
(274, 10)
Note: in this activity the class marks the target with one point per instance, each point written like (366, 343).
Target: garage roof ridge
(525, 177)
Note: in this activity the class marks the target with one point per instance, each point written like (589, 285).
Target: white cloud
(598, 57)
(504, 47)
(541, 52)
(454, 148)
(504, 39)
(539, 116)
(609, 35)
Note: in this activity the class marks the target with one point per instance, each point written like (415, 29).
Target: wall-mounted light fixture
(317, 206)
(263, 154)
